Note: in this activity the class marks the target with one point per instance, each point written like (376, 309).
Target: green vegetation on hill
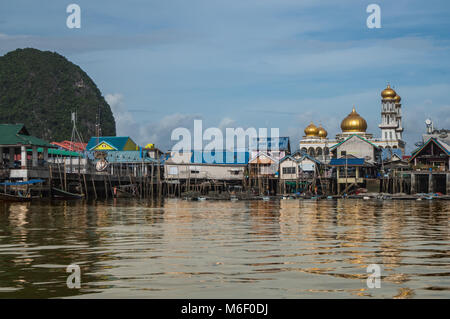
(40, 89)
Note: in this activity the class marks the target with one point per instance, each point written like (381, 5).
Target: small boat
(62, 194)
(202, 198)
(266, 198)
(234, 198)
(14, 198)
(366, 197)
(14, 191)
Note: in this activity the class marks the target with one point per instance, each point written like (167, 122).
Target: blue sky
(248, 63)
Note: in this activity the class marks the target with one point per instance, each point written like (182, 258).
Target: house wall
(307, 165)
(358, 148)
(288, 163)
(130, 146)
(205, 171)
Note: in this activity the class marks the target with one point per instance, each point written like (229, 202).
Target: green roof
(17, 134)
(58, 152)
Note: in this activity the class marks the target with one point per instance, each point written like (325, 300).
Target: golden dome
(311, 130)
(322, 133)
(354, 123)
(397, 99)
(388, 93)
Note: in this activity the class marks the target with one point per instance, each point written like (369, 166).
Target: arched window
(311, 151)
(318, 151)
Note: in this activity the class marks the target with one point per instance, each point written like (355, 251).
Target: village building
(395, 163)
(297, 171)
(358, 147)
(265, 155)
(121, 156)
(153, 151)
(205, 172)
(355, 161)
(352, 172)
(14, 143)
(433, 155)
(431, 167)
(200, 166)
(263, 165)
(275, 147)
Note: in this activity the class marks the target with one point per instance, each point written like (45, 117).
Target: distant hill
(40, 89)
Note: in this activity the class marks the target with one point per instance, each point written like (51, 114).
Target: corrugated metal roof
(269, 143)
(219, 157)
(347, 161)
(124, 157)
(71, 146)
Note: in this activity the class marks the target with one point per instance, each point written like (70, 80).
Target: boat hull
(14, 198)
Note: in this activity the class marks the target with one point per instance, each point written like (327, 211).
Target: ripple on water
(274, 249)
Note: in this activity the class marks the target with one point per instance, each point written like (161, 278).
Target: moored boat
(14, 198)
(62, 194)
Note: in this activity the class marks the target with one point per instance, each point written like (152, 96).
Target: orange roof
(71, 146)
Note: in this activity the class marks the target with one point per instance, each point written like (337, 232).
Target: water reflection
(268, 249)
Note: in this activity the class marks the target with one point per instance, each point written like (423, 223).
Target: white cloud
(156, 132)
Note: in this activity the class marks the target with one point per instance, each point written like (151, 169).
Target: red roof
(70, 146)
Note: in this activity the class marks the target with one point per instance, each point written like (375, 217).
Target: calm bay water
(221, 249)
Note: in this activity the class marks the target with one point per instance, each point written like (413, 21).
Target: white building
(317, 144)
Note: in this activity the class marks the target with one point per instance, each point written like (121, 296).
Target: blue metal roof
(346, 161)
(220, 157)
(115, 141)
(268, 143)
(31, 181)
(124, 156)
(127, 156)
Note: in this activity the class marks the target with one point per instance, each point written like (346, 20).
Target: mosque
(317, 144)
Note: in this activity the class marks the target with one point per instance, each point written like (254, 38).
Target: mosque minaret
(316, 143)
